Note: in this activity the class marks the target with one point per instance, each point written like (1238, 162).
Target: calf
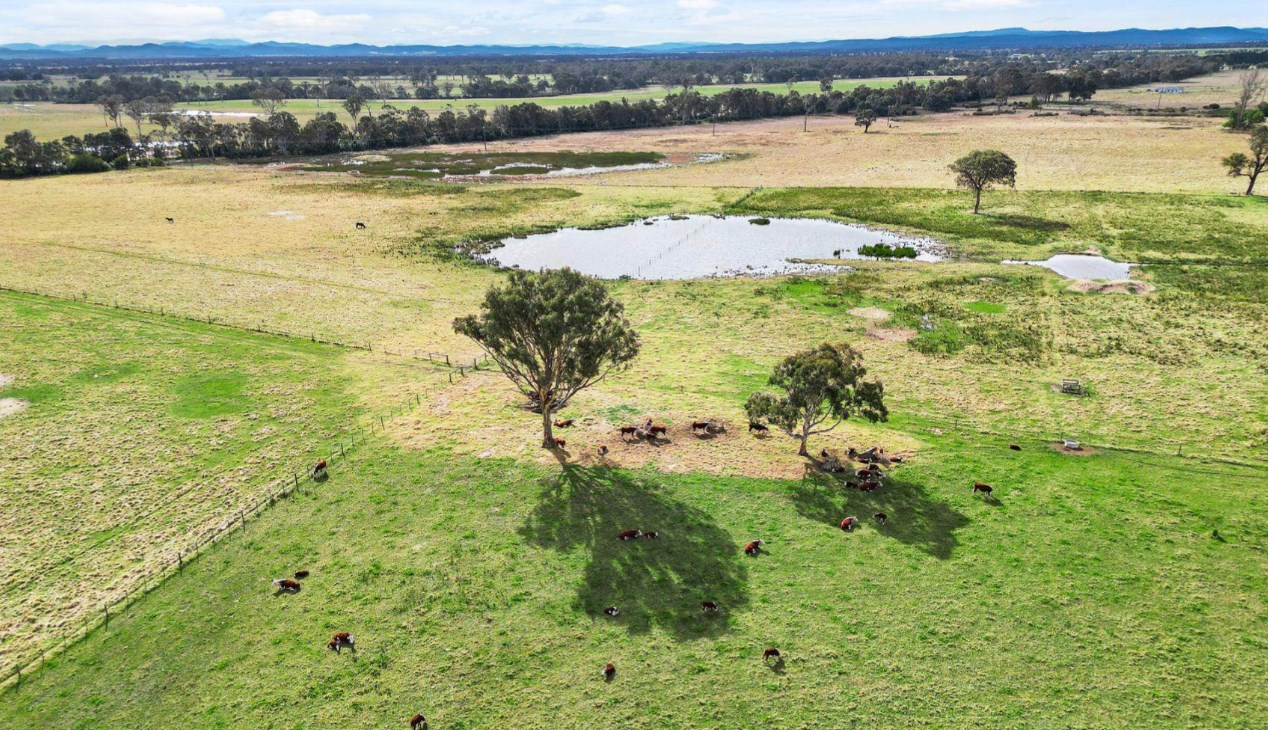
(170, 220)
(753, 547)
(360, 226)
(699, 426)
(609, 671)
(612, 611)
(823, 454)
(603, 450)
(849, 523)
(629, 534)
(658, 430)
(881, 518)
(560, 443)
(418, 722)
(772, 654)
(301, 574)
(868, 487)
(319, 468)
(340, 640)
(564, 424)
(983, 488)
(652, 535)
(709, 606)
(1014, 447)
(629, 431)
(757, 427)
(286, 585)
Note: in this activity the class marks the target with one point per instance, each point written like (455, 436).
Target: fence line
(283, 487)
(417, 354)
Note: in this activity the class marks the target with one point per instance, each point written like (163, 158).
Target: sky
(593, 22)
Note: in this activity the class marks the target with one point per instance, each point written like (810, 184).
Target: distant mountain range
(1018, 39)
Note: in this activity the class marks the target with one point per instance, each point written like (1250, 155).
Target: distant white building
(1168, 90)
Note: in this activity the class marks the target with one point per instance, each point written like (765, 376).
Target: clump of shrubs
(886, 251)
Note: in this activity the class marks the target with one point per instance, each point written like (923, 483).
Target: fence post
(446, 359)
(381, 422)
(242, 515)
(341, 455)
(105, 605)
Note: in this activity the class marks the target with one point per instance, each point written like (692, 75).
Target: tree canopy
(1239, 164)
(820, 386)
(980, 169)
(553, 334)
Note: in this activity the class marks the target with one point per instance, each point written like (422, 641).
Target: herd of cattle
(869, 479)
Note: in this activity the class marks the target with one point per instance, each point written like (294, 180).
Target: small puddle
(1079, 266)
(701, 246)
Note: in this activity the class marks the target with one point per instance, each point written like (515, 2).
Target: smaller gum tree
(820, 386)
(980, 169)
(553, 334)
(1239, 164)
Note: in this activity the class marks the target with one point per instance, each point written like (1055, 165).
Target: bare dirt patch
(1061, 448)
(10, 406)
(891, 334)
(1087, 286)
(872, 314)
(5, 379)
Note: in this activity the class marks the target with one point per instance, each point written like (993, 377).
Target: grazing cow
(823, 454)
(629, 431)
(629, 534)
(699, 426)
(418, 722)
(709, 606)
(868, 487)
(897, 459)
(286, 585)
(863, 473)
(603, 450)
(772, 654)
(564, 424)
(340, 640)
(849, 523)
(757, 427)
(753, 547)
(560, 443)
(612, 611)
(1014, 447)
(852, 452)
(301, 574)
(658, 430)
(170, 220)
(881, 518)
(983, 488)
(360, 226)
(651, 535)
(319, 468)
(609, 671)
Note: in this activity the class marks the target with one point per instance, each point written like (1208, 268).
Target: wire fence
(288, 484)
(456, 362)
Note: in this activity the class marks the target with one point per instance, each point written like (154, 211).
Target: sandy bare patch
(891, 334)
(10, 406)
(287, 214)
(872, 314)
(5, 379)
(1125, 286)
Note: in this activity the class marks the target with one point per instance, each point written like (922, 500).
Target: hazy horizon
(602, 22)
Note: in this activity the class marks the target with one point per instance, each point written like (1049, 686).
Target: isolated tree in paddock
(1253, 85)
(980, 169)
(865, 118)
(553, 334)
(820, 386)
(1239, 164)
(111, 109)
(825, 84)
(270, 100)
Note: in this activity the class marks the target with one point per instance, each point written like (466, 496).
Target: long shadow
(653, 582)
(1031, 222)
(915, 518)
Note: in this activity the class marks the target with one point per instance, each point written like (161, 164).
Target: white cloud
(300, 19)
(697, 4)
(615, 9)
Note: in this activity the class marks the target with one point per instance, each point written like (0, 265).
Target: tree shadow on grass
(1029, 222)
(654, 582)
(915, 518)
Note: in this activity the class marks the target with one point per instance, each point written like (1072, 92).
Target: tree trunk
(977, 200)
(804, 451)
(1250, 189)
(548, 436)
